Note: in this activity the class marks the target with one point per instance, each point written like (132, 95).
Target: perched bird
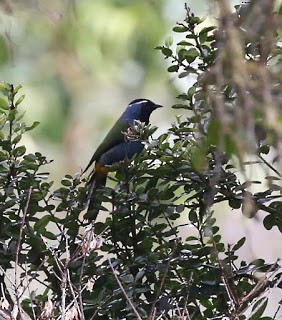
(116, 148)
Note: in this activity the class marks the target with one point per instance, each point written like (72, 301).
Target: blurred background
(81, 62)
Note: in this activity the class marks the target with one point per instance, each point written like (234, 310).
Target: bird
(114, 149)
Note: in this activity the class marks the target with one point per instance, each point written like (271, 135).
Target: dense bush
(134, 264)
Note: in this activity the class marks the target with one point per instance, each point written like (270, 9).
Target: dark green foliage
(173, 184)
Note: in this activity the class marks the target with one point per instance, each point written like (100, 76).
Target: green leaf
(183, 97)
(173, 68)
(30, 157)
(41, 224)
(235, 203)
(264, 149)
(203, 37)
(17, 139)
(259, 308)
(195, 20)
(166, 52)
(4, 104)
(19, 151)
(169, 41)
(12, 115)
(181, 54)
(193, 216)
(183, 74)
(139, 275)
(49, 235)
(208, 29)
(19, 117)
(5, 89)
(3, 156)
(274, 218)
(66, 182)
(34, 125)
(191, 92)
(17, 88)
(180, 29)
(191, 55)
(20, 99)
(239, 244)
(185, 43)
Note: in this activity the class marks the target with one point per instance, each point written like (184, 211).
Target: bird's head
(141, 109)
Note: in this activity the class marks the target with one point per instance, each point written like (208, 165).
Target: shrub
(134, 264)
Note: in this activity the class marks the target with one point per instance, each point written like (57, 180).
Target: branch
(124, 292)
(16, 287)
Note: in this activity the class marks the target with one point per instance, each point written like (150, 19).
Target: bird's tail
(96, 181)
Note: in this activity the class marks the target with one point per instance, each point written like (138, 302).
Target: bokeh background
(81, 62)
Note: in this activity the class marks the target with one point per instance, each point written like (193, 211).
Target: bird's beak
(158, 106)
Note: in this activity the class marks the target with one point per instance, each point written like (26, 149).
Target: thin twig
(270, 166)
(163, 280)
(80, 288)
(29, 292)
(276, 313)
(232, 295)
(32, 277)
(64, 280)
(257, 291)
(17, 296)
(72, 303)
(79, 306)
(123, 291)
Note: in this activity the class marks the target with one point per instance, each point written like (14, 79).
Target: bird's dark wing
(123, 150)
(113, 138)
(98, 177)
